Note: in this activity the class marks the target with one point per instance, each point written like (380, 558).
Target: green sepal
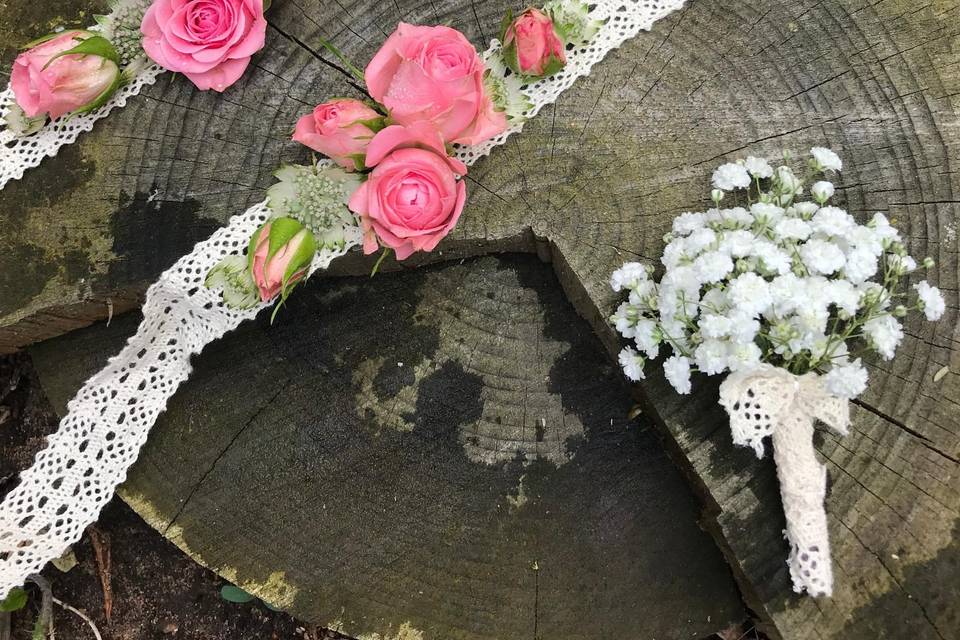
(266, 5)
(299, 263)
(301, 257)
(359, 161)
(282, 231)
(505, 24)
(47, 38)
(374, 124)
(555, 64)
(510, 58)
(95, 45)
(15, 600)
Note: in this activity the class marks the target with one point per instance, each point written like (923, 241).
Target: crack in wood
(223, 452)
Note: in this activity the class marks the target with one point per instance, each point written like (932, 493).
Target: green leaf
(66, 561)
(354, 71)
(92, 46)
(234, 594)
(15, 600)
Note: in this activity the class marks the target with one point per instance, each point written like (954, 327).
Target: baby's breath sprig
(796, 284)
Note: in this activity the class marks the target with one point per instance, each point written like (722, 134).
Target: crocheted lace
(17, 154)
(108, 420)
(769, 401)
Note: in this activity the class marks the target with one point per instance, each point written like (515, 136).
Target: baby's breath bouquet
(786, 293)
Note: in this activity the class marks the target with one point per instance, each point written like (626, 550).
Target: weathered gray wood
(597, 179)
(446, 449)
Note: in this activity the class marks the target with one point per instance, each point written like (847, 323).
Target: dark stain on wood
(27, 270)
(264, 464)
(150, 234)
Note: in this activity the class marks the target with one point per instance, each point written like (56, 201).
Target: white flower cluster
(122, 28)
(799, 285)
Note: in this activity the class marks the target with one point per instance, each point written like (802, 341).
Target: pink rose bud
(72, 71)
(412, 198)
(208, 41)
(532, 46)
(433, 74)
(340, 130)
(278, 256)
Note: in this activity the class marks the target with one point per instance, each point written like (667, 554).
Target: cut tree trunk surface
(442, 452)
(595, 180)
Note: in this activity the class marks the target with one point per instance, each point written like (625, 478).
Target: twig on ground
(82, 615)
(101, 550)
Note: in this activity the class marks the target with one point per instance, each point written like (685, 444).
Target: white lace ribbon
(17, 154)
(772, 401)
(108, 420)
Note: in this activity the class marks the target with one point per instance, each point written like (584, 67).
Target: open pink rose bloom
(208, 41)
(412, 198)
(434, 74)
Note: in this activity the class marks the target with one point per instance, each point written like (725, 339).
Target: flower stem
(376, 266)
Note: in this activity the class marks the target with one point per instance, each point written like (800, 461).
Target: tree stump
(443, 452)
(593, 181)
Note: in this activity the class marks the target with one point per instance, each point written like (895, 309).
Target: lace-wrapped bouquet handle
(786, 295)
(64, 82)
(393, 181)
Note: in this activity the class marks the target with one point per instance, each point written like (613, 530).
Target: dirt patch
(157, 591)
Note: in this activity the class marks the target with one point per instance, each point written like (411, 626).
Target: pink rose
(412, 198)
(279, 254)
(209, 41)
(340, 130)
(70, 82)
(531, 45)
(434, 74)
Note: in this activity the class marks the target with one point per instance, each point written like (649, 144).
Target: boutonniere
(785, 294)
